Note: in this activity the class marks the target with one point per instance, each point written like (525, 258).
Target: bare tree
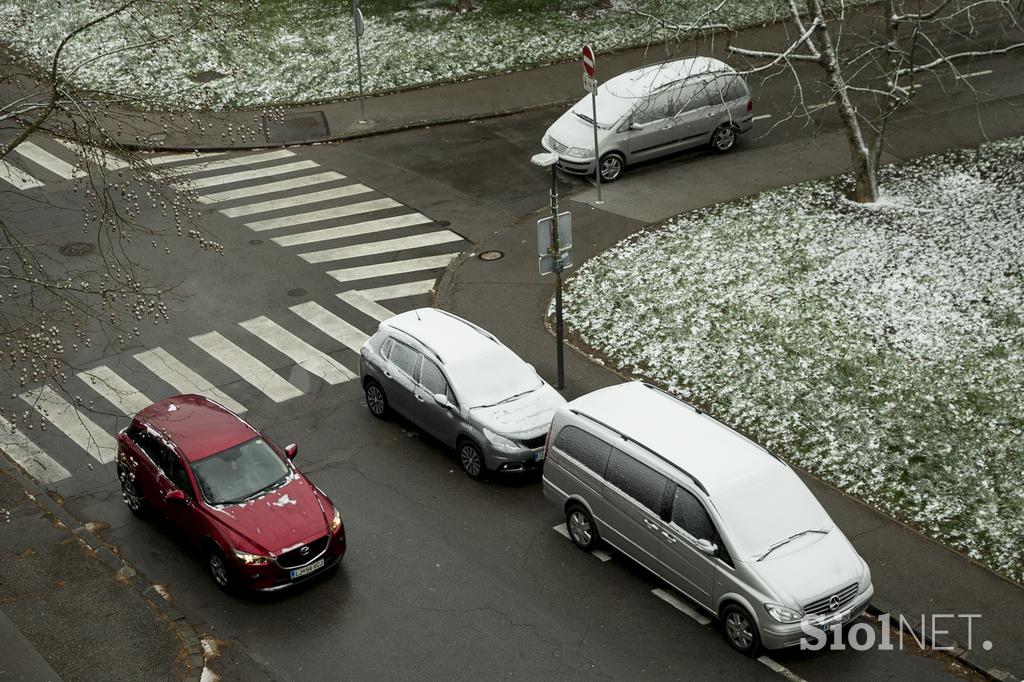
(50, 300)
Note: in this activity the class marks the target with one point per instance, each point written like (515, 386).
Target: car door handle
(419, 397)
(387, 374)
(650, 524)
(669, 538)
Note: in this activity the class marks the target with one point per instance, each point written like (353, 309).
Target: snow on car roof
(198, 426)
(449, 336)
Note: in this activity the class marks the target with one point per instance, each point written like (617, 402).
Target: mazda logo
(833, 601)
(305, 550)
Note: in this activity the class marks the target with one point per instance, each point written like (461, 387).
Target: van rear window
(588, 450)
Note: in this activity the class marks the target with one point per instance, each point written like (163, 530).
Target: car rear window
(588, 450)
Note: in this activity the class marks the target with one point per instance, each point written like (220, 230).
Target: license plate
(835, 621)
(306, 570)
(538, 455)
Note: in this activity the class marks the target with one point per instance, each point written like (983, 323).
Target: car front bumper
(271, 577)
(781, 635)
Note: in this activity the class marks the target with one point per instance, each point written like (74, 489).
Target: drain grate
(491, 255)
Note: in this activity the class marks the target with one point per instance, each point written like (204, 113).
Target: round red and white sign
(589, 62)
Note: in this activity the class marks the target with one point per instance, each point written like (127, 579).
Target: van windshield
(610, 109)
(769, 509)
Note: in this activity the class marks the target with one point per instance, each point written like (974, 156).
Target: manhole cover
(255, 242)
(76, 249)
(206, 76)
(490, 255)
(295, 293)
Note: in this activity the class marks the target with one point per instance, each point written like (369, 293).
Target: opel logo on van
(833, 601)
(305, 550)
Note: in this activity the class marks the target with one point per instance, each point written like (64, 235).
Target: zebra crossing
(377, 249)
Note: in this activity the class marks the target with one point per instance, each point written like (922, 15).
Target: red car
(231, 492)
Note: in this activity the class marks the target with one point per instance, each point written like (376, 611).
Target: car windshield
(240, 473)
(610, 109)
(492, 377)
(768, 511)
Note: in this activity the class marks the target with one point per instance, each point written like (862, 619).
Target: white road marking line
(785, 672)
(242, 176)
(330, 324)
(175, 158)
(597, 553)
(298, 200)
(323, 214)
(271, 187)
(975, 74)
(762, 116)
(234, 162)
(115, 390)
(306, 356)
(55, 165)
(385, 246)
(365, 305)
(95, 154)
(75, 425)
(174, 372)
(262, 378)
(423, 286)
(352, 230)
(395, 268)
(29, 457)
(678, 603)
(17, 177)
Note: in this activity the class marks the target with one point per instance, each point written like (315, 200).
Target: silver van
(653, 111)
(713, 514)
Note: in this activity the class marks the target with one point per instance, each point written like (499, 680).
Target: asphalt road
(445, 578)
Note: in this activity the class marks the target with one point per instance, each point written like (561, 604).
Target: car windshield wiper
(259, 492)
(584, 117)
(774, 546)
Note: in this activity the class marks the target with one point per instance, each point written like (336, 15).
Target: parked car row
(713, 514)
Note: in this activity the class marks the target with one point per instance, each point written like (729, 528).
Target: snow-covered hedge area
(881, 347)
(301, 51)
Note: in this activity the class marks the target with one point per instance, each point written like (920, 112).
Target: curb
(186, 633)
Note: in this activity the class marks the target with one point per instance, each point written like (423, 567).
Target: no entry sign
(588, 60)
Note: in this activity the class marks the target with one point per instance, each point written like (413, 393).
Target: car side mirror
(291, 451)
(175, 497)
(637, 126)
(442, 400)
(707, 547)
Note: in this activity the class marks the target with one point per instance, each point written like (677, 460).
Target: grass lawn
(880, 347)
(302, 51)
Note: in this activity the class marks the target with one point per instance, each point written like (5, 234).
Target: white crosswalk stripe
(330, 324)
(177, 158)
(262, 378)
(29, 457)
(395, 268)
(233, 162)
(324, 214)
(17, 177)
(365, 305)
(386, 246)
(298, 200)
(116, 390)
(242, 176)
(271, 187)
(353, 230)
(106, 159)
(304, 355)
(83, 431)
(423, 286)
(54, 164)
(173, 372)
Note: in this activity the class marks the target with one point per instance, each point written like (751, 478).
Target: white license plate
(538, 455)
(306, 570)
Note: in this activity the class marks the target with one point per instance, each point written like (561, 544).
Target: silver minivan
(713, 514)
(653, 111)
(461, 385)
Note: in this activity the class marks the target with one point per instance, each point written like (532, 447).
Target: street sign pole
(597, 152)
(357, 17)
(558, 278)
(590, 83)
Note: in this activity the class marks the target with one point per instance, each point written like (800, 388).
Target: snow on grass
(303, 51)
(881, 347)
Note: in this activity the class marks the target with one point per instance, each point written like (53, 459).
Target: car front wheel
(611, 166)
(472, 460)
(740, 630)
(219, 570)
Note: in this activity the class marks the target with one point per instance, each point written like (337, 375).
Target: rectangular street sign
(589, 83)
(564, 233)
(548, 262)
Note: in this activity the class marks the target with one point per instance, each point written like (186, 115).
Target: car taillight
(750, 105)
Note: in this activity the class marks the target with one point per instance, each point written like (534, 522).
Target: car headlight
(579, 152)
(336, 521)
(783, 614)
(865, 578)
(251, 559)
(501, 442)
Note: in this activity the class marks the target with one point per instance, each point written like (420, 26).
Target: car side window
(655, 108)
(689, 514)
(404, 358)
(588, 450)
(642, 483)
(431, 378)
(734, 87)
(385, 346)
(146, 442)
(178, 476)
(695, 95)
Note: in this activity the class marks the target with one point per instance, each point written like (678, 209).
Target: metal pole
(597, 152)
(359, 68)
(556, 248)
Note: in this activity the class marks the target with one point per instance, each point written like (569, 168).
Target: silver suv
(712, 513)
(459, 383)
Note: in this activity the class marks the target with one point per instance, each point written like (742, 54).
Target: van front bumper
(781, 635)
(570, 164)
